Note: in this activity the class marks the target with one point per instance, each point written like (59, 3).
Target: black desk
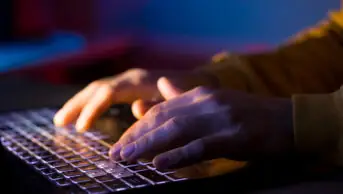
(263, 179)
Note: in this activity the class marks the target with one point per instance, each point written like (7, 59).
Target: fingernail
(115, 152)
(80, 127)
(58, 120)
(128, 151)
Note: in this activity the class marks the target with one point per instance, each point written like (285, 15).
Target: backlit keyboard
(67, 158)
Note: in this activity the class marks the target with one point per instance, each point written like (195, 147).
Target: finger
(169, 133)
(168, 89)
(150, 121)
(156, 116)
(140, 107)
(160, 114)
(72, 108)
(184, 104)
(101, 100)
(175, 132)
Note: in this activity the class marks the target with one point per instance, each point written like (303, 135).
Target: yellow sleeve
(311, 62)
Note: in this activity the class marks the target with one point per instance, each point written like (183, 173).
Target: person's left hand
(203, 124)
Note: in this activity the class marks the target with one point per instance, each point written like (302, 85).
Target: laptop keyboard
(67, 158)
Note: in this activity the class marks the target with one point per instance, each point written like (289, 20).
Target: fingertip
(138, 108)
(59, 119)
(114, 152)
(81, 127)
(167, 88)
(162, 81)
(161, 162)
(128, 151)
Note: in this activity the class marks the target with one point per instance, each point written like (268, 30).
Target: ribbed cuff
(317, 124)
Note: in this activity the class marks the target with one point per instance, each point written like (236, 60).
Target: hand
(86, 106)
(204, 124)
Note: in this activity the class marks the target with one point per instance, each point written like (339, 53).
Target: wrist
(285, 125)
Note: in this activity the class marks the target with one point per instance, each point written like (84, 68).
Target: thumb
(167, 89)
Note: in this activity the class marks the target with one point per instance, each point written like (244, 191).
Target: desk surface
(266, 178)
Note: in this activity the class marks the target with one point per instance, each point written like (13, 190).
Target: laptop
(43, 158)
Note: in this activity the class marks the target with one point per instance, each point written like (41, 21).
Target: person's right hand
(135, 86)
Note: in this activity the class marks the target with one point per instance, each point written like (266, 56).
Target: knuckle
(127, 139)
(146, 141)
(136, 71)
(106, 90)
(176, 123)
(95, 83)
(155, 110)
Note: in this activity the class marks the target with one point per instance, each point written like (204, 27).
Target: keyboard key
(80, 179)
(90, 154)
(65, 168)
(165, 171)
(67, 154)
(59, 149)
(73, 173)
(105, 164)
(50, 159)
(90, 184)
(114, 169)
(55, 176)
(97, 190)
(88, 168)
(62, 182)
(103, 149)
(58, 163)
(126, 164)
(121, 174)
(47, 171)
(20, 151)
(40, 166)
(38, 150)
(135, 181)
(151, 166)
(32, 160)
(40, 124)
(26, 143)
(81, 163)
(153, 176)
(138, 168)
(74, 159)
(104, 178)
(44, 153)
(25, 155)
(94, 144)
(82, 150)
(176, 176)
(116, 185)
(97, 158)
(96, 173)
